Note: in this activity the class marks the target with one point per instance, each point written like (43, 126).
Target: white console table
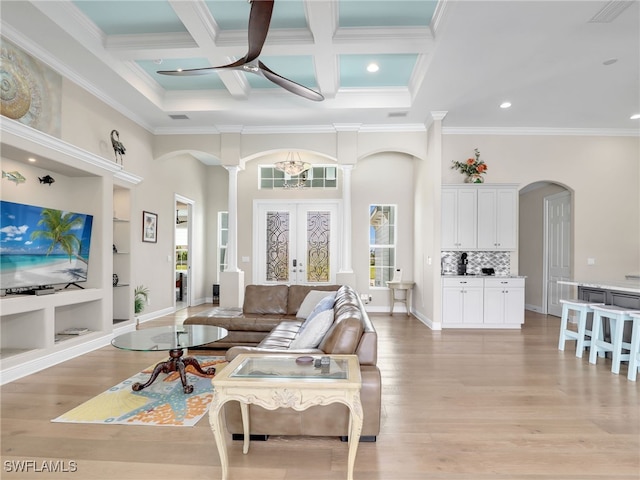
(400, 286)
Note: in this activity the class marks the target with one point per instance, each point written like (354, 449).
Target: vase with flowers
(474, 168)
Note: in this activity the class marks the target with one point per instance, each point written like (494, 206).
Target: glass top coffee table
(274, 381)
(174, 339)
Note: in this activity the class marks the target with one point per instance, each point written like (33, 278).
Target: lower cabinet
(462, 301)
(469, 302)
(504, 301)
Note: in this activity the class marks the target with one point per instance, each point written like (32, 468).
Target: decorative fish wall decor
(47, 180)
(15, 177)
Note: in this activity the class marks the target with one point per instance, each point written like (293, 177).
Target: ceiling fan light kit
(259, 21)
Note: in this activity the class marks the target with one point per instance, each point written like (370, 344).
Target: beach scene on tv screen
(42, 246)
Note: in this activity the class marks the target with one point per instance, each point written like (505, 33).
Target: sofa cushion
(310, 301)
(265, 299)
(314, 330)
(297, 294)
(343, 336)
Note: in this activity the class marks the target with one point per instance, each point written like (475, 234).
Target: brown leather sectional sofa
(274, 307)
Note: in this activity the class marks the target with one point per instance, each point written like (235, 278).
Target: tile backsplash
(500, 261)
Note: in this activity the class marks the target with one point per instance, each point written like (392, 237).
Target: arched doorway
(545, 244)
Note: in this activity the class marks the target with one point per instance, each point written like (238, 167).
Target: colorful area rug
(161, 403)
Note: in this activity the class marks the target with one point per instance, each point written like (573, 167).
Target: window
(382, 244)
(316, 177)
(223, 238)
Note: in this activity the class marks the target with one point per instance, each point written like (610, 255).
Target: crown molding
(594, 132)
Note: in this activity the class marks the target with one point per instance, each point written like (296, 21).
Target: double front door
(296, 243)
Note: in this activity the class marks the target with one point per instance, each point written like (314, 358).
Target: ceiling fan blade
(289, 85)
(259, 20)
(204, 70)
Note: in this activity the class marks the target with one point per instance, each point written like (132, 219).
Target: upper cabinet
(497, 217)
(459, 218)
(480, 217)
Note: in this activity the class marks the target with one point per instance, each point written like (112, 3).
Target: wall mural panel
(31, 92)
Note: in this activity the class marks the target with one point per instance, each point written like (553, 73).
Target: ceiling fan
(259, 20)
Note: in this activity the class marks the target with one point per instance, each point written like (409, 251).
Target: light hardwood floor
(457, 405)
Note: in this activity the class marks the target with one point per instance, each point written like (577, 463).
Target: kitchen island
(623, 293)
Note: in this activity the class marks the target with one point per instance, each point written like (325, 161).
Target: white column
(232, 279)
(232, 241)
(346, 219)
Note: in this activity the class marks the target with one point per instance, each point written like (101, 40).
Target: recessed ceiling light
(635, 116)
(372, 67)
(505, 104)
(158, 61)
(32, 160)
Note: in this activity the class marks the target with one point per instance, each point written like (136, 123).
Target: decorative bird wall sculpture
(118, 147)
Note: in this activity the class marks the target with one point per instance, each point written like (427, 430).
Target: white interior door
(296, 243)
(558, 258)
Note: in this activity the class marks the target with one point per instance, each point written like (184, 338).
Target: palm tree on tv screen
(57, 228)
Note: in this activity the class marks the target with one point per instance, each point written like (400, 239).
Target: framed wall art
(149, 227)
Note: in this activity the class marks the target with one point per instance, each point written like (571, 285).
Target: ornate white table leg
(355, 429)
(215, 420)
(244, 410)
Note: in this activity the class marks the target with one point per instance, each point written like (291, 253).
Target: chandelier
(291, 166)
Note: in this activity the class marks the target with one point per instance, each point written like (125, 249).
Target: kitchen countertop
(482, 276)
(632, 286)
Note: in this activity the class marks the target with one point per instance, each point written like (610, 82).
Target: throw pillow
(315, 331)
(310, 302)
(326, 303)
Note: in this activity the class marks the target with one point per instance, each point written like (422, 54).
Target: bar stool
(617, 316)
(583, 308)
(634, 361)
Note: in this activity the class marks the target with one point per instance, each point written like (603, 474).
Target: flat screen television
(42, 246)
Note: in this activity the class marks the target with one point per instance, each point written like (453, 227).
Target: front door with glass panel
(296, 243)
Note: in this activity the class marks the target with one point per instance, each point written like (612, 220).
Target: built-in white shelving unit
(32, 326)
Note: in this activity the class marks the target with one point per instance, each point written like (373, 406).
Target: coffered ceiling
(564, 66)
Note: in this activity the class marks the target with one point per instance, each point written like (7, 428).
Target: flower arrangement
(473, 167)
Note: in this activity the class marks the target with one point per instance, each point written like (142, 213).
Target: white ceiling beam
(197, 19)
(322, 21)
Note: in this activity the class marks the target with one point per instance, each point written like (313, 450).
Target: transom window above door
(318, 176)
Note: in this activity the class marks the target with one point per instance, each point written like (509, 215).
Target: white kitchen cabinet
(504, 301)
(462, 302)
(459, 223)
(497, 218)
(479, 217)
(482, 302)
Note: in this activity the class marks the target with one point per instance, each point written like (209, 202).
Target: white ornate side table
(278, 381)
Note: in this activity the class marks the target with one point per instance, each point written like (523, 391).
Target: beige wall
(602, 172)
(387, 179)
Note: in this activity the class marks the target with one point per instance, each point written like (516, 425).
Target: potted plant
(141, 296)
